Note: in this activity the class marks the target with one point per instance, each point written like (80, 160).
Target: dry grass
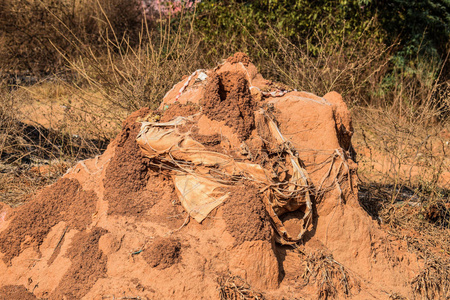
(28, 29)
(130, 76)
(403, 146)
(403, 164)
(235, 288)
(19, 183)
(41, 130)
(433, 248)
(404, 168)
(354, 67)
(434, 281)
(33, 155)
(328, 276)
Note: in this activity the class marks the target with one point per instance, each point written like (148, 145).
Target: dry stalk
(235, 288)
(328, 275)
(434, 281)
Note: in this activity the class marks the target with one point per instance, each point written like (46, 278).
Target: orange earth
(113, 226)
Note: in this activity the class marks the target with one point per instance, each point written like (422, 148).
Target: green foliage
(423, 26)
(302, 21)
(337, 35)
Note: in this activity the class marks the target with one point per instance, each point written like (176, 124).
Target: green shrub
(423, 26)
(303, 22)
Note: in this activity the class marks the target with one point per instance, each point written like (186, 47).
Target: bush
(423, 26)
(301, 21)
(30, 31)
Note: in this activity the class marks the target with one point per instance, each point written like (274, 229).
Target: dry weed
(353, 67)
(404, 166)
(235, 288)
(28, 29)
(31, 155)
(328, 275)
(130, 76)
(18, 183)
(434, 281)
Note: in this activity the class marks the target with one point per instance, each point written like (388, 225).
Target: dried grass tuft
(328, 275)
(434, 281)
(235, 288)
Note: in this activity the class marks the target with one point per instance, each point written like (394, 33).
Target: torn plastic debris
(192, 167)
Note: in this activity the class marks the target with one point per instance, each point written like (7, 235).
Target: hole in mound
(227, 98)
(64, 201)
(163, 253)
(245, 215)
(88, 265)
(293, 221)
(10, 292)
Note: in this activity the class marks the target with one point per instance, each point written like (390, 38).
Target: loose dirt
(128, 173)
(88, 265)
(245, 215)
(163, 253)
(64, 201)
(9, 292)
(211, 142)
(239, 57)
(227, 98)
(179, 110)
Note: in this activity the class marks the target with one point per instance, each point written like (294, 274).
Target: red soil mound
(162, 253)
(9, 292)
(64, 201)
(227, 98)
(115, 226)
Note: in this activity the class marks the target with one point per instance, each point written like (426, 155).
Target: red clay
(179, 110)
(88, 265)
(227, 98)
(239, 57)
(9, 292)
(113, 226)
(245, 215)
(162, 253)
(64, 201)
